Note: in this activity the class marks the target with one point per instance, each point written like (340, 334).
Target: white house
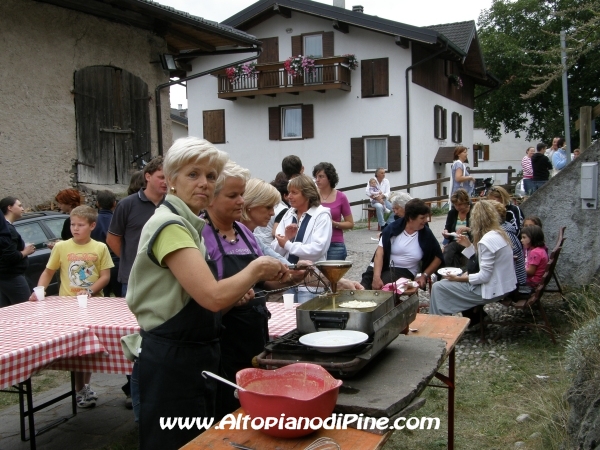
(179, 123)
(411, 94)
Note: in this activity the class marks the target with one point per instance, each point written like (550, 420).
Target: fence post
(509, 175)
(585, 127)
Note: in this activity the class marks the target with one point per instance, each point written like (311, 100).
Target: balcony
(272, 79)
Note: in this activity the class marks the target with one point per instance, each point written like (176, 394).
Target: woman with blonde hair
(457, 221)
(496, 276)
(514, 215)
(177, 301)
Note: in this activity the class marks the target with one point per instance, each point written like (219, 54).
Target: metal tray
(323, 312)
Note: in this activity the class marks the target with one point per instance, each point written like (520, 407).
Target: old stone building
(77, 88)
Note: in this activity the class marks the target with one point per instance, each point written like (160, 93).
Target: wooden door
(113, 123)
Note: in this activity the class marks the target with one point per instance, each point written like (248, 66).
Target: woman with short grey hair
(399, 201)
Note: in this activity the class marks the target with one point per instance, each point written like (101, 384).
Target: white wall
(338, 115)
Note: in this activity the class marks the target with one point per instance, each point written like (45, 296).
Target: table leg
(25, 389)
(449, 382)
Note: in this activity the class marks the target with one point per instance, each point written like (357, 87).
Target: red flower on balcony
(247, 70)
(299, 65)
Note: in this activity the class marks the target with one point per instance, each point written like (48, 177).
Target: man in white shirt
(384, 186)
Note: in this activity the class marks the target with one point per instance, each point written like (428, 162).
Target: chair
(533, 300)
(370, 215)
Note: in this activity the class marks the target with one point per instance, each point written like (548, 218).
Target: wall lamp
(168, 62)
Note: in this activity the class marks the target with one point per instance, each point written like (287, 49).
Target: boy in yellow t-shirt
(84, 269)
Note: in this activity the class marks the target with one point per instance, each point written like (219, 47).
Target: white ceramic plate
(445, 271)
(333, 341)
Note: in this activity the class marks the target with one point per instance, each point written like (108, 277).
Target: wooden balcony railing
(272, 79)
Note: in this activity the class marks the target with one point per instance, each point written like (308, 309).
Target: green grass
(41, 382)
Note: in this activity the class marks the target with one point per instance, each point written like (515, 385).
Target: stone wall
(42, 47)
(558, 204)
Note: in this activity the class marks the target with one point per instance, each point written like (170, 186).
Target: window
(367, 153)
(456, 128)
(32, 232)
(317, 45)
(55, 226)
(287, 122)
(313, 45)
(374, 77)
(375, 153)
(439, 122)
(291, 122)
(213, 125)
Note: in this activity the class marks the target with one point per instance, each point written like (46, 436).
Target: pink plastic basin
(298, 390)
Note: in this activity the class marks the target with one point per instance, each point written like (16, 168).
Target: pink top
(339, 207)
(536, 256)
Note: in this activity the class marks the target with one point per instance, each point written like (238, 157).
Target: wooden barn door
(113, 123)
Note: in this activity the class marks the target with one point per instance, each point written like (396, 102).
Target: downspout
(435, 55)
(191, 77)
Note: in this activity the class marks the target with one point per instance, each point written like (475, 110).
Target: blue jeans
(528, 185)
(537, 185)
(379, 211)
(135, 391)
(124, 289)
(337, 251)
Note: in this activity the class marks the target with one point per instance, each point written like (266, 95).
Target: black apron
(246, 329)
(171, 385)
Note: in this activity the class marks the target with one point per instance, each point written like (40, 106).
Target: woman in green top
(178, 302)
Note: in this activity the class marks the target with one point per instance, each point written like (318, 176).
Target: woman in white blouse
(496, 276)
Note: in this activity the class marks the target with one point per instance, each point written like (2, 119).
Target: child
(376, 194)
(536, 257)
(532, 220)
(84, 270)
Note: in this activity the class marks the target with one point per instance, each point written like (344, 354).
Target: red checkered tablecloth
(108, 318)
(282, 320)
(26, 348)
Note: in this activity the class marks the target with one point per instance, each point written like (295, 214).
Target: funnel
(333, 271)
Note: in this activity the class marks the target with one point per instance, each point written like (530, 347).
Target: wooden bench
(534, 300)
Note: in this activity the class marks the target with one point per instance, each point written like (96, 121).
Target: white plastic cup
(82, 300)
(39, 292)
(288, 301)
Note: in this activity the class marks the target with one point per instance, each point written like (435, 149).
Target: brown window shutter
(213, 123)
(475, 156)
(357, 155)
(308, 127)
(444, 123)
(366, 78)
(328, 44)
(296, 45)
(394, 153)
(381, 77)
(274, 123)
(459, 128)
(436, 121)
(486, 152)
(270, 50)
(454, 126)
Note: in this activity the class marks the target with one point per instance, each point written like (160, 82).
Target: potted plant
(455, 80)
(299, 65)
(352, 61)
(236, 73)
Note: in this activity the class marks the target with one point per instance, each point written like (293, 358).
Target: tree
(521, 46)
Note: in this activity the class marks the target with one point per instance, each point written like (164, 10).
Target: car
(39, 228)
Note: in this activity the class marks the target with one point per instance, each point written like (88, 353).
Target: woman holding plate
(496, 276)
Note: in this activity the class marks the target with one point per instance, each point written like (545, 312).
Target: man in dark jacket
(541, 166)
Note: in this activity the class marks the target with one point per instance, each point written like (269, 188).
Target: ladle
(333, 271)
(217, 377)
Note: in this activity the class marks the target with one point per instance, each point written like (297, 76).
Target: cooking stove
(288, 350)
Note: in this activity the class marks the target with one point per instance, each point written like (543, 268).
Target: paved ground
(110, 421)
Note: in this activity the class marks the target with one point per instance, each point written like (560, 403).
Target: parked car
(39, 228)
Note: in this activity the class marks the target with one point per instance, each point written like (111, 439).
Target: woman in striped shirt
(527, 170)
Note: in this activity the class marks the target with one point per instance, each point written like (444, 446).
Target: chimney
(179, 106)
(340, 3)
(358, 8)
